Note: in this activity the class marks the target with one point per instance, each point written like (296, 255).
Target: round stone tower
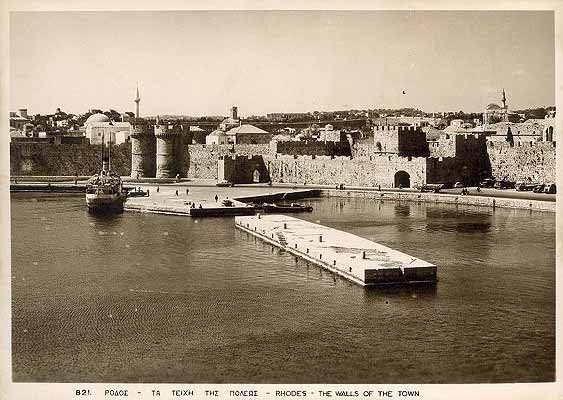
(168, 144)
(143, 144)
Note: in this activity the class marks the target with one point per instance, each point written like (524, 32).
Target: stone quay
(357, 259)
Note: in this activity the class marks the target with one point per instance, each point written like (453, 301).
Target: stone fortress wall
(362, 171)
(66, 159)
(242, 169)
(455, 157)
(310, 148)
(203, 158)
(143, 152)
(529, 162)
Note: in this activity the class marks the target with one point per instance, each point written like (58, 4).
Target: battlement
(525, 144)
(167, 130)
(403, 128)
(141, 130)
(236, 157)
(311, 147)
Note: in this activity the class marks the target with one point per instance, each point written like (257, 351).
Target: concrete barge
(360, 260)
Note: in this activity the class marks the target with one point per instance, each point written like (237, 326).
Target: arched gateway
(402, 179)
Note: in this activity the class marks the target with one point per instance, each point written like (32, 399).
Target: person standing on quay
(216, 198)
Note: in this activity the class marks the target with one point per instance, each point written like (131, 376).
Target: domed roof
(493, 106)
(97, 118)
(218, 132)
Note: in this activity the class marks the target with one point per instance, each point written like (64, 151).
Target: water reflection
(426, 291)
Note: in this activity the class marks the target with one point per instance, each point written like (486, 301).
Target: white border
(9, 390)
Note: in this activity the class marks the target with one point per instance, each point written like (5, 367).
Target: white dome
(97, 118)
(217, 132)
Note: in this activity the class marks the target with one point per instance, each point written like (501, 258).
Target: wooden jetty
(357, 259)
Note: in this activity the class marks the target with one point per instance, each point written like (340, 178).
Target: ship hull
(105, 203)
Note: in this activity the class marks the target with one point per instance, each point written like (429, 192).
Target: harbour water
(157, 298)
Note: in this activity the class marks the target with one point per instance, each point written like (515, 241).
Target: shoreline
(66, 184)
(416, 197)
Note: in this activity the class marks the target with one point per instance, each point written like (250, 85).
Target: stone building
(249, 134)
(527, 132)
(232, 121)
(409, 141)
(217, 137)
(549, 134)
(99, 127)
(494, 113)
(19, 120)
(329, 134)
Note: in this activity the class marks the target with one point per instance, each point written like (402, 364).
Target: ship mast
(109, 154)
(103, 141)
(105, 159)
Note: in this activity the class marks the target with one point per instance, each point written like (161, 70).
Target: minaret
(504, 107)
(137, 100)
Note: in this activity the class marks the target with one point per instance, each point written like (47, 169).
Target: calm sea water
(154, 298)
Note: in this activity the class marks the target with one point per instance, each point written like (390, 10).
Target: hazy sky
(198, 63)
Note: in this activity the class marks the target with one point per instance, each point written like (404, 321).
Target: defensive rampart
(66, 159)
(311, 148)
(366, 166)
(203, 158)
(534, 163)
(364, 171)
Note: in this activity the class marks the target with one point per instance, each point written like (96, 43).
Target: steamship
(104, 191)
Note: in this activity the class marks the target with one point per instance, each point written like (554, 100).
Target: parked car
(487, 183)
(525, 186)
(551, 188)
(504, 185)
(539, 188)
(431, 187)
(459, 185)
(224, 184)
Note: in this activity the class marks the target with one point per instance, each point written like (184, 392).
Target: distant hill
(171, 117)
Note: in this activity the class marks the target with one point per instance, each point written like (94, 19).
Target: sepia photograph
(277, 198)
